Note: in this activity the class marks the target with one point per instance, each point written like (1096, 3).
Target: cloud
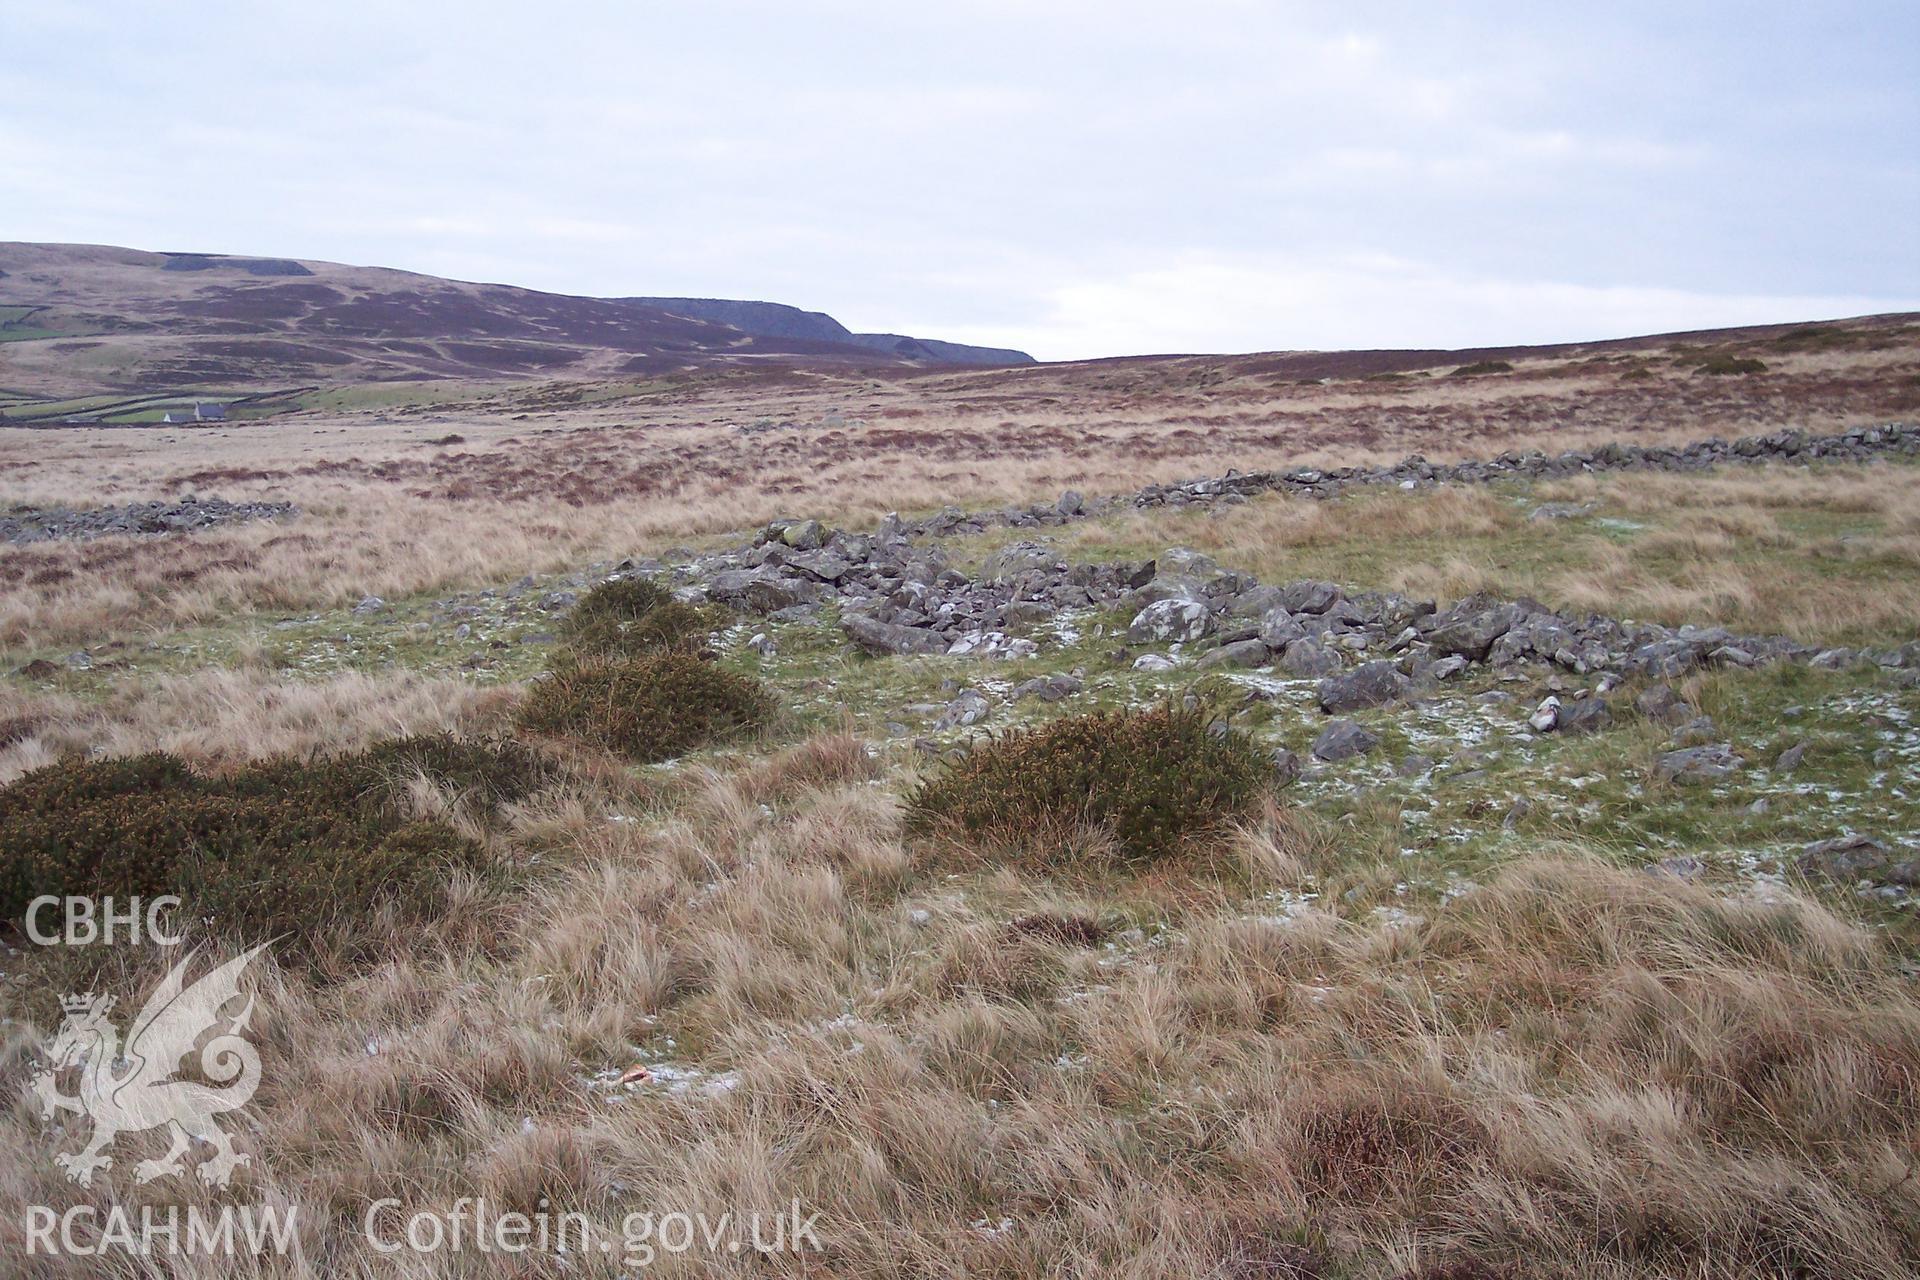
(1086, 176)
(1199, 302)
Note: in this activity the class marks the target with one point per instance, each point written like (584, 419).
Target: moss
(1152, 780)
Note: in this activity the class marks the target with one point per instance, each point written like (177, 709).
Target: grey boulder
(1241, 653)
(1175, 619)
(1309, 659)
(879, 637)
(1342, 740)
(1371, 684)
(1697, 766)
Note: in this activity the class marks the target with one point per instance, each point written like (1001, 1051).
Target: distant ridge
(79, 320)
(778, 320)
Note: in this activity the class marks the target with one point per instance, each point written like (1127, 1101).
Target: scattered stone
(822, 565)
(1047, 688)
(1278, 629)
(1241, 653)
(1030, 613)
(1678, 868)
(1859, 857)
(878, 637)
(969, 708)
(1309, 596)
(1695, 732)
(188, 515)
(1371, 684)
(1660, 703)
(762, 590)
(1014, 561)
(1153, 662)
(1696, 766)
(1585, 715)
(1286, 767)
(1561, 511)
(804, 535)
(1470, 627)
(1729, 655)
(1176, 619)
(991, 644)
(1254, 603)
(1789, 760)
(1308, 659)
(1546, 717)
(367, 605)
(1414, 766)
(1186, 562)
(1342, 740)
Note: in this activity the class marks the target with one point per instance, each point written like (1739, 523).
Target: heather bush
(1480, 368)
(259, 888)
(648, 708)
(632, 617)
(283, 847)
(1724, 366)
(1151, 780)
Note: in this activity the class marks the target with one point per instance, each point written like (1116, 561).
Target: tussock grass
(1572, 1071)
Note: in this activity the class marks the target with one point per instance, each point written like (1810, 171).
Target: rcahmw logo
(132, 1087)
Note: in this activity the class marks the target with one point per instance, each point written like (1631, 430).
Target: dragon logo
(132, 1090)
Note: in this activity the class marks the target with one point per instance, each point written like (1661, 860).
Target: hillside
(79, 319)
(777, 320)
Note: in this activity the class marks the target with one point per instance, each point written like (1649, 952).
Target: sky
(1076, 179)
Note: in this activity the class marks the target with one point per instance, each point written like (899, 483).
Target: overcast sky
(1079, 179)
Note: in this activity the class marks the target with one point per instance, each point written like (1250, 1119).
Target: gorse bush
(284, 847)
(647, 708)
(1153, 780)
(629, 618)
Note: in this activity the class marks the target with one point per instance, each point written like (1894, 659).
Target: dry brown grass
(1822, 555)
(1574, 1070)
(221, 717)
(549, 476)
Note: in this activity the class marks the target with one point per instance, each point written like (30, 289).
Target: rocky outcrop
(188, 515)
(1792, 446)
(898, 593)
